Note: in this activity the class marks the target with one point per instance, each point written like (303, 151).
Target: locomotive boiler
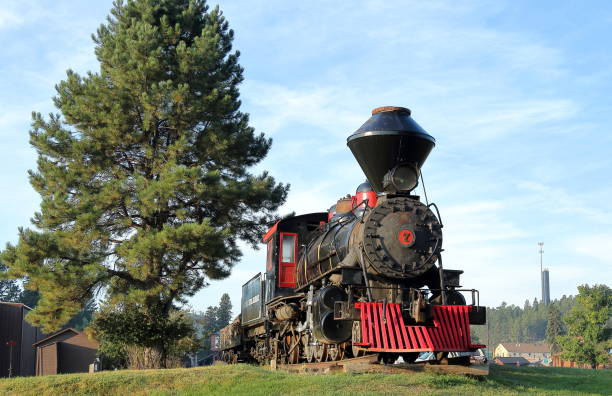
(364, 277)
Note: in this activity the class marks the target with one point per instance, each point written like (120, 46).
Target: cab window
(288, 262)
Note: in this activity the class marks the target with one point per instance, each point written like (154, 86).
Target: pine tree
(588, 338)
(9, 288)
(83, 317)
(144, 174)
(535, 304)
(208, 322)
(224, 311)
(553, 328)
(29, 297)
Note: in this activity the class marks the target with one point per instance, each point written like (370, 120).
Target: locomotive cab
(285, 241)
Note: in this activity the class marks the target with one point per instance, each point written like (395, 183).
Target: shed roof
(513, 360)
(14, 304)
(60, 332)
(526, 348)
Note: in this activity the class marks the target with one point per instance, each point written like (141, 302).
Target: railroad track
(371, 364)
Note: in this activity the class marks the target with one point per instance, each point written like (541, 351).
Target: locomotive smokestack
(391, 147)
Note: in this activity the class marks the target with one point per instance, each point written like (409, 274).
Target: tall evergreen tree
(588, 339)
(144, 174)
(208, 322)
(224, 311)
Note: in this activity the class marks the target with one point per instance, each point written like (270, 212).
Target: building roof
(525, 348)
(45, 340)
(521, 361)
(14, 304)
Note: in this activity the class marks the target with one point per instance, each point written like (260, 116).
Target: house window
(287, 260)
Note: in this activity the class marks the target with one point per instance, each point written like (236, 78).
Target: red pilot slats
(384, 334)
(428, 338)
(451, 330)
(369, 328)
(466, 324)
(421, 340)
(383, 329)
(391, 328)
(377, 326)
(412, 338)
(396, 328)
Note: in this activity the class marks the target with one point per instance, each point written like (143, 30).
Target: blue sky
(517, 94)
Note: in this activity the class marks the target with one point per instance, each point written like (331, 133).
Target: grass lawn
(252, 380)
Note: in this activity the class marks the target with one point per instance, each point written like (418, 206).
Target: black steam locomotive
(364, 277)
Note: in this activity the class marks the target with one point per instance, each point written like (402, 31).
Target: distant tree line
(580, 328)
(213, 319)
(511, 323)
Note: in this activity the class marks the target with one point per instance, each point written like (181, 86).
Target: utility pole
(11, 344)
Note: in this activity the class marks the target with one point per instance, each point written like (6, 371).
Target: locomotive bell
(391, 147)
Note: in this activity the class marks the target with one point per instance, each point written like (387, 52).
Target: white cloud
(274, 106)
(559, 200)
(9, 19)
(594, 246)
(519, 117)
(478, 223)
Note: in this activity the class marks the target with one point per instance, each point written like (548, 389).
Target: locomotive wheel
(321, 353)
(334, 353)
(341, 351)
(293, 349)
(309, 352)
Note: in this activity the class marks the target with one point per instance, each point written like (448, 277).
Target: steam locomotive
(364, 277)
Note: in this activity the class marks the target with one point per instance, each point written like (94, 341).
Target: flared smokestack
(391, 147)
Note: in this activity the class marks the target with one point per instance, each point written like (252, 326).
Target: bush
(133, 338)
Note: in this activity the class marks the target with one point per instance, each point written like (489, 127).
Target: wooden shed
(67, 351)
(15, 331)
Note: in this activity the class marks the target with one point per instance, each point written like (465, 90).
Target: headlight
(404, 177)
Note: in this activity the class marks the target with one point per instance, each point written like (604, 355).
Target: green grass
(252, 380)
